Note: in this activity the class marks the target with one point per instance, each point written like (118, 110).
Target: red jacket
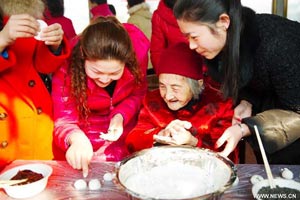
(101, 10)
(26, 120)
(209, 117)
(165, 32)
(66, 24)
(126, 99)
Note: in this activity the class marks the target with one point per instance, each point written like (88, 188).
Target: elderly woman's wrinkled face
(175, 90)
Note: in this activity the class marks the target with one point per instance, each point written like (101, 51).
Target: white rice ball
(108, 176)
(256, 178)
(43, 25)
(94, 184)
(287, 174)
(80, 184)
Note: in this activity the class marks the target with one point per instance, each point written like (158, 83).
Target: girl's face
(175, 90)
(103, 72)
(201, 38)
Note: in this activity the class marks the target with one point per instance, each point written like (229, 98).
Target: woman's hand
(176, 133)
(80, 152)
(52, 35)
(18, 26)
(115, 129)
(231, 138)
(243, 110)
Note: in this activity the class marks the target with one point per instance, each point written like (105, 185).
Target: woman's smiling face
(103, 72)
(175, 90)
(206, 41)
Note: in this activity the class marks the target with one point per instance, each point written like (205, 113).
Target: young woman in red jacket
(98, 94)
(181, 111)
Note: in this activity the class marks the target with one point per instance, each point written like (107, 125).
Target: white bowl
(30, 189)
(278, 182)
(171, 172)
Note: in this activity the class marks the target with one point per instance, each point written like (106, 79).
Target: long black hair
(132, 3)
(209, 11)
(170, 3)
(56, 7)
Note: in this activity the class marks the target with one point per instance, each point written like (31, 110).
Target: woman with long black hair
(256, 59)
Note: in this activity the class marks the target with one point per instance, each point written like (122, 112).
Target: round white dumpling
(108, 176)
(256, 178)
(80, 184)
(43, 25)
(287, 174)
(94, 184)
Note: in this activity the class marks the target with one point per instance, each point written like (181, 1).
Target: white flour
(172, 181)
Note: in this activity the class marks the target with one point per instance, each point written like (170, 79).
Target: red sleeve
(158, 41)
(141, 137)
(43, 54)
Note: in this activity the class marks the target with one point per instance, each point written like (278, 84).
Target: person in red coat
(26, 119)
(165, 30)
(54, 13)
(100, 8)
(181, 111)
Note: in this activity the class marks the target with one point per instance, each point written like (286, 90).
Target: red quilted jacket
(126, 100)
(209, 117)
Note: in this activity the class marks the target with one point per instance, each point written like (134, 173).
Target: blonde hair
(34, 8)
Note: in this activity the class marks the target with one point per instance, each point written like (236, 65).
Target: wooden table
(60, 184)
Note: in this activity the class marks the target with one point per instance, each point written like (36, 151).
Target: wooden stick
(4, 183)
(266, 163)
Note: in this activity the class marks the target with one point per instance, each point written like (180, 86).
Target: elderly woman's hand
(177, 133)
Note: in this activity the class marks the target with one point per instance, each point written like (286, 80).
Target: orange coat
(26, 123)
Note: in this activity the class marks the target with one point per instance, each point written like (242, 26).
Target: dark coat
(270, 70)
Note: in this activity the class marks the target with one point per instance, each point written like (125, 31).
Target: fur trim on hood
(31, 7)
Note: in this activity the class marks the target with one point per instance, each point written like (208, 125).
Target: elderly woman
(181, 111)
